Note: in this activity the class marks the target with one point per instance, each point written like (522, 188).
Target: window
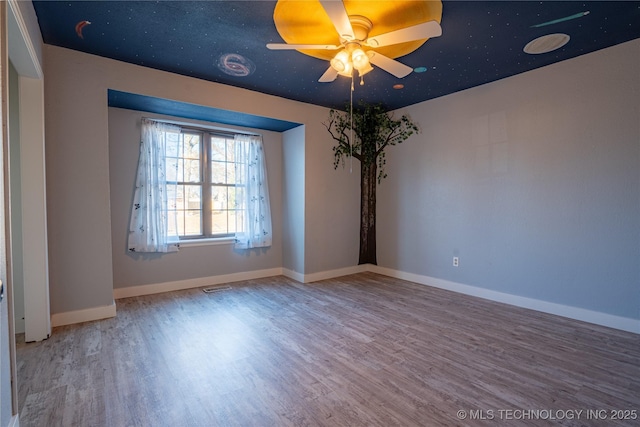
(197, 183)
(201, 185)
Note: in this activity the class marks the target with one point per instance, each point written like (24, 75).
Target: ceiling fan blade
(416, 32)
(328, 76)
(339, 17)
(391, 66)
(285, 46)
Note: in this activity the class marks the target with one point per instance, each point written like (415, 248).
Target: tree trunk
(368, 181)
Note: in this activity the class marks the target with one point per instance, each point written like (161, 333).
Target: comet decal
(556, 21)
(79, 26)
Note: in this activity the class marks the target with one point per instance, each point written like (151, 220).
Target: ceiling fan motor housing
(361, 27)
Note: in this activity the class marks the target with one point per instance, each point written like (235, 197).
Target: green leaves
(373, 130)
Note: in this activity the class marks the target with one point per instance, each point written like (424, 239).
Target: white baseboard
(178, 285)
(324, 275)
(331, 274)
(299, 277)
(576, 313)
(86, 315)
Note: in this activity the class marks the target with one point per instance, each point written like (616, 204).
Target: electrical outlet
(456, 261)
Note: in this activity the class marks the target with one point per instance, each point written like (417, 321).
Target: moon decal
(235, 65)
(79, 26)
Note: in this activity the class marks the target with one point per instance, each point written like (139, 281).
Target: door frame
(25, 52)
(22, 43)
(8, 289)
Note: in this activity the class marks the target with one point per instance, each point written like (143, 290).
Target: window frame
(206, 185)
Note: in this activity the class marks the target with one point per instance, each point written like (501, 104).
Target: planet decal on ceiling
(79, 26)
(235, 65)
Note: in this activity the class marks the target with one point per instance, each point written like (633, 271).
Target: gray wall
(293, 199)
(332, 206)
(78, 172)
(190, 262)
(533, 181)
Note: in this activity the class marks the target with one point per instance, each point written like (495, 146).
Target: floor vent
(216, 289)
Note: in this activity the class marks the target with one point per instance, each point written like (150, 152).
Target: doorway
(27, 187)
(22, 193)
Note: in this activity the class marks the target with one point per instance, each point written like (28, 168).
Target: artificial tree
(364, 132)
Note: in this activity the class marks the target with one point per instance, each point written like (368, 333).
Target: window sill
(214, 241)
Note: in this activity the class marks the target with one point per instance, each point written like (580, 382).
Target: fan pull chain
(351, 128)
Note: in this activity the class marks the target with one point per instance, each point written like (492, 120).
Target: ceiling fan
(356, 50)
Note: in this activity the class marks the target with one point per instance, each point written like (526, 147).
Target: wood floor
(362, 350)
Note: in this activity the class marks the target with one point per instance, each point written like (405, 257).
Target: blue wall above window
(185, 110)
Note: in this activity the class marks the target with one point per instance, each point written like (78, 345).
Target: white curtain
(149, 227)
(253, 219)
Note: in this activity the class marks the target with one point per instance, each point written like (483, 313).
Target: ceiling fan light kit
(340, 62)
(402, 27)
(350, 58)
(359, 59)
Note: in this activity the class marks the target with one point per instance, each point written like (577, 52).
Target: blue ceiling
(481, 42)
